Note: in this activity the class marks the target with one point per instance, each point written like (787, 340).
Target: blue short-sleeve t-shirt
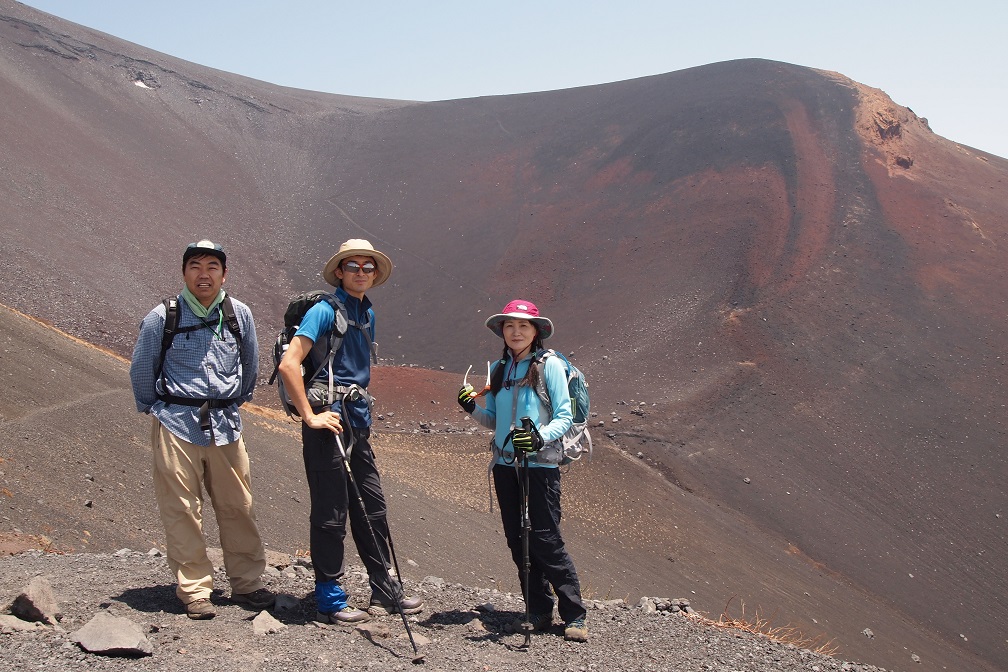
(352, 361)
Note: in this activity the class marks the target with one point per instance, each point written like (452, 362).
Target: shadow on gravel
(293, 610)
(497, 626)
(156, 598)
(376, 641)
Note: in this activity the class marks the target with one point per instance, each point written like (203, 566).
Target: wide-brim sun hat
(353, 248)
(519, 309)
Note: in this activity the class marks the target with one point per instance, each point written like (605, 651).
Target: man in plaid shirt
(193, 396)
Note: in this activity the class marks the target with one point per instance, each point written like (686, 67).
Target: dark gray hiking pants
(550, 564)
(332, 498)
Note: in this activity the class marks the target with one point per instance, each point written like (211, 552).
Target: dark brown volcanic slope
(807, 284)
(804, 286)
(75, 469)
(113, 153)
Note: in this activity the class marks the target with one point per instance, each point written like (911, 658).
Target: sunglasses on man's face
(353, 267)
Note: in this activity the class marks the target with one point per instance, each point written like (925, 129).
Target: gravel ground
(461, 628)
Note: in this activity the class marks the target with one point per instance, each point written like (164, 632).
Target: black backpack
(171, 327)
(322, 351)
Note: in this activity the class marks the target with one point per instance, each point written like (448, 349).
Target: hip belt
(204, 406)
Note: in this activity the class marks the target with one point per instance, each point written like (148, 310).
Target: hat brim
(495, 323)
(383, 263)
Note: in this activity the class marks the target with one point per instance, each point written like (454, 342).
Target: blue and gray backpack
(576, 441)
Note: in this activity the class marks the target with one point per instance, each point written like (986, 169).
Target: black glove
(526, 440)
(465, 399)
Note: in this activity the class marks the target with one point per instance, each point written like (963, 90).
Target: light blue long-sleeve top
(497, 415)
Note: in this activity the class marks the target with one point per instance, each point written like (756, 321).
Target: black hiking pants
(549, 562)
(333, 498)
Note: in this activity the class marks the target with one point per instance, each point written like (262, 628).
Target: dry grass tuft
(758, 625)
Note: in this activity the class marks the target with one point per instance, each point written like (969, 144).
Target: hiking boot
(201, 609)
(345, 616)
(257, 600)
(576, 631)
(410, 605)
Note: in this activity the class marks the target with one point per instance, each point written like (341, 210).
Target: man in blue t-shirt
(356, 268)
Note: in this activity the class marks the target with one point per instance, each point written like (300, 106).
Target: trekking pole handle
(529, 427)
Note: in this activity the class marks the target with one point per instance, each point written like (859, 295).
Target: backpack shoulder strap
(341, 320)
(231, 319)
(340, 309)
(369, 325)
(541, 390)
(367, 328)
(171, 305)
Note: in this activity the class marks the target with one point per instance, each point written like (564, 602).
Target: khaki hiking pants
(180, 468)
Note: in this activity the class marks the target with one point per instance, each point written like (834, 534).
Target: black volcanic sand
(77, 471)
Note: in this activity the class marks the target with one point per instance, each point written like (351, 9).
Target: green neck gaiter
(198, 308)
(202, 312)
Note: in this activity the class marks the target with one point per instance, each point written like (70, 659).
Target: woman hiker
(512, 396)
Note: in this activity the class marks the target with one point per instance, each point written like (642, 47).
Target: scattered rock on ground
(125, 605)
(112, 636)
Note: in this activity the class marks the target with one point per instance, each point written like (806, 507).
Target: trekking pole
(526, 527)
(417, 656)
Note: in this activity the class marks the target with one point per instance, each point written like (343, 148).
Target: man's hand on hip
(325, 420)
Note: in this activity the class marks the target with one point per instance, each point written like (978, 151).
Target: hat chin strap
(524, 351)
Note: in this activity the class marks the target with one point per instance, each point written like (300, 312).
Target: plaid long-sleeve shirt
(200, 364)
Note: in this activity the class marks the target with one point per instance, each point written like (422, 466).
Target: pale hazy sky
(945, 60)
